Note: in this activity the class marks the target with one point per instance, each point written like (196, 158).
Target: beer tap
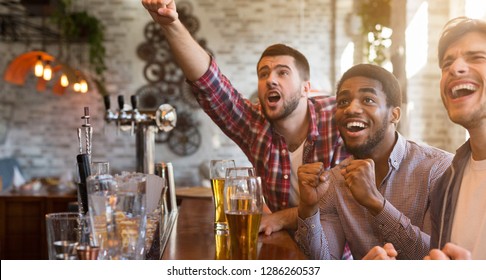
(136, 117)
(122, 116)
(109, 115)
(144, 125)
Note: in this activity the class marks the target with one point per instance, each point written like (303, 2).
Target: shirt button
(284, 203)
(286, 176)
(284, 151)
(313, 226)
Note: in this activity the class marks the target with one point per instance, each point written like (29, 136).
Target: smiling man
(379, 195)
(459, 205)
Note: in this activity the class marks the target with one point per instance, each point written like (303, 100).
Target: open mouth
(355, 126)
(273, 97)
(462, 90)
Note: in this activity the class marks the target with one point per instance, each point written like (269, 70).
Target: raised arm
(189, 55)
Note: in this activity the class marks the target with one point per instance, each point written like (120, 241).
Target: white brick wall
(42, 132)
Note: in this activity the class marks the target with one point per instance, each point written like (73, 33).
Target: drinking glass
(217, 174)
(240, 172)
(100, 167)
(243, 204)
(222, 246)
(62, 235)
(117, 210)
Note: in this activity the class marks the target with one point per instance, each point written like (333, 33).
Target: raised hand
(359, 176)
(163, 12)
(312, 185)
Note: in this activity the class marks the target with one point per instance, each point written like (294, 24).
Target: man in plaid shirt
(280, 133)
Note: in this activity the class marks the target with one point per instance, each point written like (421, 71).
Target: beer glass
(222, 246)
(240, 172)
(243, 204)
(217, 174)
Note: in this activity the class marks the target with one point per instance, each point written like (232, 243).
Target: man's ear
(307, 88)
(396, 113)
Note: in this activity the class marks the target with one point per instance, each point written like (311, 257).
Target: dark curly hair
(391, 86)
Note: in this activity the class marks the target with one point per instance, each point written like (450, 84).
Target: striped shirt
(244, 123)
(404, 221)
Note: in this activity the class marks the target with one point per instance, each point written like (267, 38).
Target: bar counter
(193, 238)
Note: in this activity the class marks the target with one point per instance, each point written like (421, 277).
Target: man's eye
(262, 75)
(445, 65)
(478, 57)
(342, 102)
(369, 100)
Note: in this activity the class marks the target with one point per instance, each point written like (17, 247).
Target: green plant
(81, 27)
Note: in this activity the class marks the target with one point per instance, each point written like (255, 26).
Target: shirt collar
(398, 152)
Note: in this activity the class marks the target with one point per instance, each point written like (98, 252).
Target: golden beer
(217, 186)
(222, 248)
(243, 227)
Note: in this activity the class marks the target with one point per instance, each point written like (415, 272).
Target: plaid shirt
(267, 150)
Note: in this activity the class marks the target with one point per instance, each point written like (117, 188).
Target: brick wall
(42, 126)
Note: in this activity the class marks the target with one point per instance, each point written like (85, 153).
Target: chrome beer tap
(144, 125)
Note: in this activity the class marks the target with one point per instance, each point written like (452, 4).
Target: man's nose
(354, 107)
(271, 80)
(459, 67)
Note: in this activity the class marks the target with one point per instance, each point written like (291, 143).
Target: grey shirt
(404, 220)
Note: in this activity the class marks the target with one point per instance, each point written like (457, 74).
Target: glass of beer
(240, 172)
(217, 173)
(243, 204)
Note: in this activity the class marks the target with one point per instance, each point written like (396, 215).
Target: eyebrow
(362, 90)
(266, 67)
(467, 53)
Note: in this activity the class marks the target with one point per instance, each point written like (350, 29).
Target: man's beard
(364, 150)
(288, 108)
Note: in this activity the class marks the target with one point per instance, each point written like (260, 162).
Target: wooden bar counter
(22, 221)
(193, 237)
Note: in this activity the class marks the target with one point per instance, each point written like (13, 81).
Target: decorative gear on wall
(185, 138)
(167, 83)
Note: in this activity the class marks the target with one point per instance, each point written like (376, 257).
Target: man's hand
(450, 251)
(387, 252)
(283, 219)
(312, 186)
(359, 175)
(163, 12)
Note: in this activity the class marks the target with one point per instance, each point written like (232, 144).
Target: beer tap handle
(120, 113)
(106, 100)
(133, 100)
(121, 102)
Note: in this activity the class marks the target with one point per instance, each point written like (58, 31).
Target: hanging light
(83, 86)
(64, 80)
(77, 87)
(39, 67)
(47, 71)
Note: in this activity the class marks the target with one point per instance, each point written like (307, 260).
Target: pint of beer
(243, 204)
(217, 173)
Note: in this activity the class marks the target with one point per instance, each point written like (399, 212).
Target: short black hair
(391, 86)
(300, 60)
(456, 28)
